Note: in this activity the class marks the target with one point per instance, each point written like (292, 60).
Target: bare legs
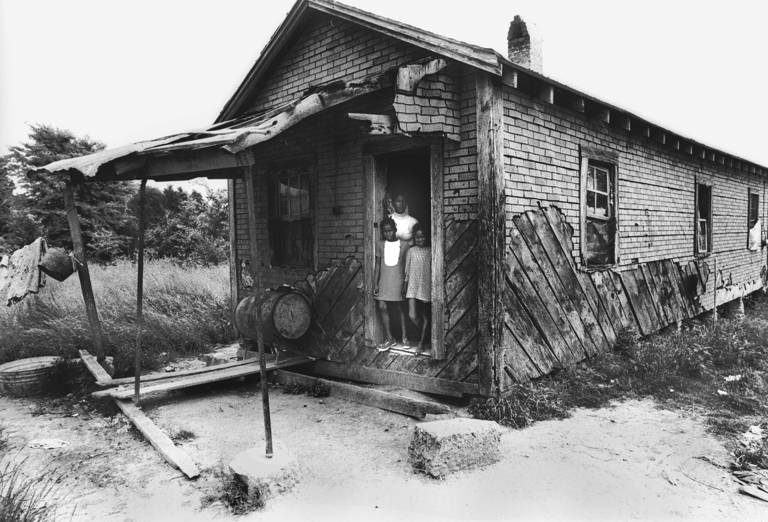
(384, 311)
(403, 326)
(419, 317)
(387, 320)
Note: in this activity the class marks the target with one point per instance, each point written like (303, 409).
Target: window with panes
(290, 223)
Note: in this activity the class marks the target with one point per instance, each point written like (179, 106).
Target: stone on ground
(265, 477)
(442, 447)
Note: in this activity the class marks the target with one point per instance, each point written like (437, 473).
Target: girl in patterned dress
(390, 261)
(417, 284)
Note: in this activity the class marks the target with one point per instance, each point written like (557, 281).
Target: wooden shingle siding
(656, 188)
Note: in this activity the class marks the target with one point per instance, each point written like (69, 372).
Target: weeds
(183, 435)
(233, 493)
(186, 309)
(317, 389)
(720, 368)
(22, 499)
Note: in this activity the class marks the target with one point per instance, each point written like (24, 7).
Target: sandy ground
(632, 461)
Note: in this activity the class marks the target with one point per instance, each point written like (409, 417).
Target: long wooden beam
(126, 392)
(82, 271)
(411, 407)
(491, 220)
(406, 380)
(159, 440)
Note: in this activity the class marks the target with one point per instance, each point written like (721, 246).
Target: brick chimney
(525, 45)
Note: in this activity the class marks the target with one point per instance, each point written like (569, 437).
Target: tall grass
(186, 309)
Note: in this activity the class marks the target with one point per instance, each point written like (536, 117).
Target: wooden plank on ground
(542, 275)
(163, 376)
(548, 312)
(405, 380)
(124, 392)
(370, 397)
(98, 372)
(159, 440)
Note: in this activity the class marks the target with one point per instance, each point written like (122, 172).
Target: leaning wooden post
(82, 271)
(258, 279)
(139, 296)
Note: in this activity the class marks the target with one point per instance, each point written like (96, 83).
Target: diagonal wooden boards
(159, 440)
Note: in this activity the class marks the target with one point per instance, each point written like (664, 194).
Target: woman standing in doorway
(389, 270)
(403, 221)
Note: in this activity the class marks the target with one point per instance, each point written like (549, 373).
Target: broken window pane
(601, 205)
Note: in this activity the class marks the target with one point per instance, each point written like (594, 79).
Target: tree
(101, 206)
(197, 231)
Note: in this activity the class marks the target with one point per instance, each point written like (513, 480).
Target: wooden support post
(714, 293)
(82, 271)
(139, 296)
(491, 232)
(256, 270)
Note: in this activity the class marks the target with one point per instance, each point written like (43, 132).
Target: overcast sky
(124, 71)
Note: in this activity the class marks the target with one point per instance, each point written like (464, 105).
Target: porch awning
(219, 147)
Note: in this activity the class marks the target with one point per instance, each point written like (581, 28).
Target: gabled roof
(485, 59)
(481, 58)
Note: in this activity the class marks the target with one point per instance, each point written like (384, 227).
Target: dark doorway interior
(407, 173)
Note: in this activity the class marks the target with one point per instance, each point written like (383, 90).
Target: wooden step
(218, 374)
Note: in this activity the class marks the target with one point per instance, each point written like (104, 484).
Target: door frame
(374, 175)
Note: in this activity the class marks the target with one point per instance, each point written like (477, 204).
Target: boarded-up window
(290, 223)
(599, 219)
(703, 230)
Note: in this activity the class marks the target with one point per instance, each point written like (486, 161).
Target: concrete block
(265, 477)
(442, 447)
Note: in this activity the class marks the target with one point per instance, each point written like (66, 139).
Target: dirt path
(633, 461)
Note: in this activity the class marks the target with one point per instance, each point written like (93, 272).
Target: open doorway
(405, 176)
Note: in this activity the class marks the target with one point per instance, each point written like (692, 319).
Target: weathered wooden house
(557, 220)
